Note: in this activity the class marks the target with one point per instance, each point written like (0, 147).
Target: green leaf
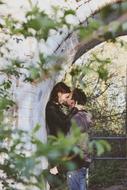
(85, 32)
(69, 12)
(34, 72)
(106, 145)
(6, 84)
(34, 12)
(106, 11)
(36, 128)
(5, 103)
(42, 60)
(103, 73)
(109, 35)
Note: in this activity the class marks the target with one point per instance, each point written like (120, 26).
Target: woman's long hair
(59, 87)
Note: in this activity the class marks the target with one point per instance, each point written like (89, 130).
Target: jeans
(77, 179)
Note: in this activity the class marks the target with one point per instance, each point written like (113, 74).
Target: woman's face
(63, 97)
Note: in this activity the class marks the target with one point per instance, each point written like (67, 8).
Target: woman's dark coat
(56, 120)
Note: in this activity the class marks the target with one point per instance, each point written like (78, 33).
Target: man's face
(63, 98)
(70, 101)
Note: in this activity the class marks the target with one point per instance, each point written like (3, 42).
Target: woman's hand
(54, 170)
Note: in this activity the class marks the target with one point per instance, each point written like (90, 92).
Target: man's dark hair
(59, 87)
(79, 96)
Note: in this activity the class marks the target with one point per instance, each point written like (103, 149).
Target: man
(77, 178)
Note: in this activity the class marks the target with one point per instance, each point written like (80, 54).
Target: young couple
(57, 121)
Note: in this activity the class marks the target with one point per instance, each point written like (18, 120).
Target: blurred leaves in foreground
(20, 163)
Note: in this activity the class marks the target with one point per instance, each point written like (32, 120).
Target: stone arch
(34, 96)
(70, 46)
(73, 49)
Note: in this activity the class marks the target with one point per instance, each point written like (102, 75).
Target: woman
(58, 122)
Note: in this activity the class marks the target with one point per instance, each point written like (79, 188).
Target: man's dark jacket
(83, 121)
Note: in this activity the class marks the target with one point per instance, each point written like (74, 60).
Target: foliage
(98, 79)
(113, 172)
(20, 164)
